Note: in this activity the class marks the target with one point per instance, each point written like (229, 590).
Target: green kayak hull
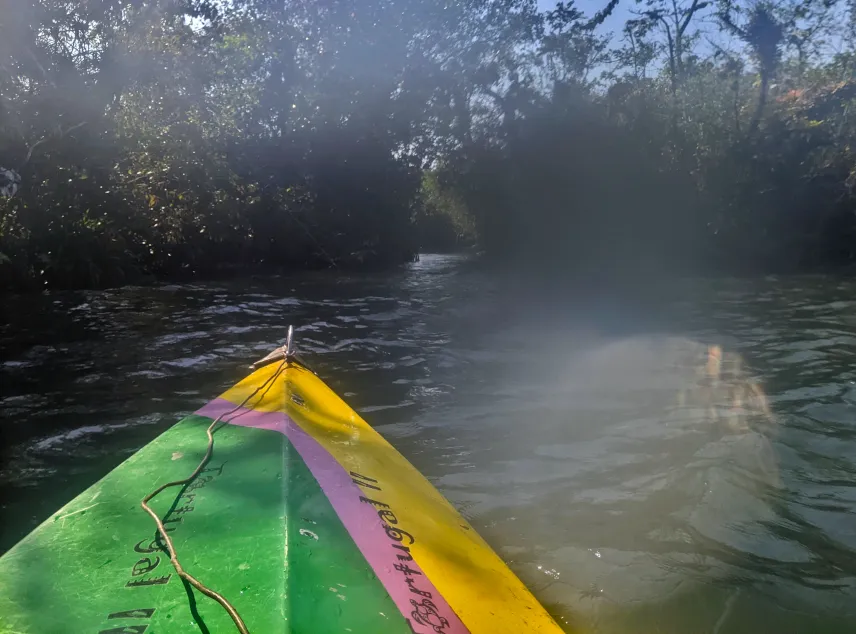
(304, 519)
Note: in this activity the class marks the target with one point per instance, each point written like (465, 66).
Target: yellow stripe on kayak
(475, 582)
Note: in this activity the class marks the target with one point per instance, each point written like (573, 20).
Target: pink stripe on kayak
(231, 413)
(360, 518)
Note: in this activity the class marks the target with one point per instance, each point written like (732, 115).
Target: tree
(675, 18)
(638, 51)
(763, 34)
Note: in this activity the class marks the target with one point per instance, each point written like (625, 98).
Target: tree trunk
(762, 102)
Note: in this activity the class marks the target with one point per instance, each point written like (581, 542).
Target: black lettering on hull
(133, 614)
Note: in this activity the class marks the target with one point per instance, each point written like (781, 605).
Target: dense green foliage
(707, 136)
(160, 137)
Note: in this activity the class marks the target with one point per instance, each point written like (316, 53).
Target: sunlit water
(685, 469)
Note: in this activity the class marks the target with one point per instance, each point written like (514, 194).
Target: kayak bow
(304, 518)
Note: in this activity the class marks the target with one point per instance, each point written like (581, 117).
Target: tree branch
(695, 7)
(724, 16)
(60, 135)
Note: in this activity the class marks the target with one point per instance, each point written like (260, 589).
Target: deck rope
(219, 598)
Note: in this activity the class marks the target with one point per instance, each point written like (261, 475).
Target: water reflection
(634, 472)
(688, 467)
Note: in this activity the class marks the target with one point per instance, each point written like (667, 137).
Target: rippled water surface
(685, 467)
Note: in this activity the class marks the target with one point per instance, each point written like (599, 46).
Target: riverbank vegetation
(158, 138)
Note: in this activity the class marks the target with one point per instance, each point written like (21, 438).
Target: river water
(682, 464)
